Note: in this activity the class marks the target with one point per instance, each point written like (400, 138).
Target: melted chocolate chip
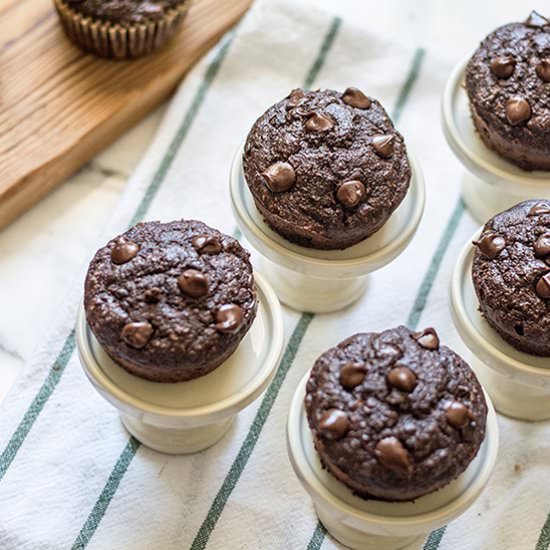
(351, 193)
(457, 415)
(542, 246)
(503, 67)
(402, 378)
(539, 209)
(229, 318)
(427, 338)
(295, 97)
(137, 334)
(124, 251)
(351, 375)
(334, 424)
(193, 283)
(207, 244)
(543, 70)
(535, 19)
(518, 110)
(356, 98)
(318, 122)
(542, 288)
(491, 245)
(383, 145)
(392, 455)
(279, 177)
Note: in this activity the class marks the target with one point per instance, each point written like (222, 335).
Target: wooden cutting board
(59, 107)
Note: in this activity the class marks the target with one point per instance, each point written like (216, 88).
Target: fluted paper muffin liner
(120, 41)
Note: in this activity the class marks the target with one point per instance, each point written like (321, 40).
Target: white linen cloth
(70, 476)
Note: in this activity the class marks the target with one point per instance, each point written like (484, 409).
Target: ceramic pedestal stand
(187, 417)
(491, 183)
(519, 383)
(320, 281)
(372, 524)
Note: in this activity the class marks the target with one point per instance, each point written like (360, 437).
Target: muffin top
(124, 11)
(395, 415)
(508, 81)
(330, 165)
(511, 275)
(170, 297)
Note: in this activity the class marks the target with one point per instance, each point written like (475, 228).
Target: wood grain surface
(59, 107)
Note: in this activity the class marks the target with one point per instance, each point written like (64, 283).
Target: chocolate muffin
(508, 85)
(326, 169)
(170, 301)
(121, 28)
(395, 415)
(511, 275)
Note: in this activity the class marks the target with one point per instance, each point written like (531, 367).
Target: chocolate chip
(518, 110)
(318, 122)
(124, 251)
(356, 98)
(543, 70)
(334, 424)
(295, 97)
(427, 338)
(351, 193)
(491, 245)
(229, 318)
(535, 19)
(383, 145)
(542, 246)
(193, 283)
(391, 454)
(539, 209)
(351, 375)
(542, 288)
(279, 177)
(137, 334)
(207, 244)
(457, 415)
(402, 378)
(503, 67)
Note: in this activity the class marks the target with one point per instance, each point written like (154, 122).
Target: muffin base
(521, 344)
(115, 41)
(514, 152)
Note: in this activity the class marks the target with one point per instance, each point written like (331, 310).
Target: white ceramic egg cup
(373, 524)
(492, 184)
(519, 383)
(320, 281)
(187, 417)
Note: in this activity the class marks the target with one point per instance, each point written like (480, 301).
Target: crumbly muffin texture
(395, 415)
(508, 85)
(326, 169)
(170, 301)
(511, 275)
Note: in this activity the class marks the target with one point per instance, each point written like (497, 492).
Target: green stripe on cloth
(544, 538)
(239, 464)
(125, 458)
(434, 540)
(38, 403)
(318, 536)
(435, 263)
(98, 511)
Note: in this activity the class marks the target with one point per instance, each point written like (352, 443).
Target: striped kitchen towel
(70, 477)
